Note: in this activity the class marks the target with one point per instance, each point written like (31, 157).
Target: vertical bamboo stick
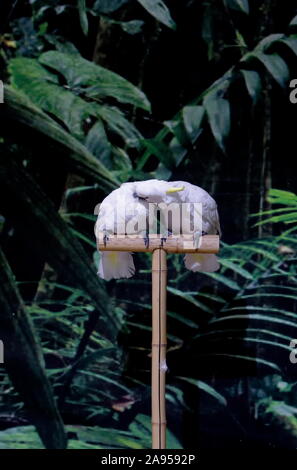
(159, 343)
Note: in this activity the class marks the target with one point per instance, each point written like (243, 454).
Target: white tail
(201, 262)
(115, 265)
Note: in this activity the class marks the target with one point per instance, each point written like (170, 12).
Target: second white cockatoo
(131, 200)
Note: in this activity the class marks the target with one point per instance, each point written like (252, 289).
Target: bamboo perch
(182, 244)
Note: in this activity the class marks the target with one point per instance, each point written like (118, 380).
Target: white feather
(116, 265)
(117, 209)
(210, 225)
(201, 262)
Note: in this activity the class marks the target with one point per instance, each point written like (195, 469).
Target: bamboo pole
(159, 343)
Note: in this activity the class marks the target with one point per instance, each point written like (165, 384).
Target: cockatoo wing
(120, 213)
(210, 225)
(210, 218)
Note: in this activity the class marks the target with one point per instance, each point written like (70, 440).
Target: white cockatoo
(127, 210)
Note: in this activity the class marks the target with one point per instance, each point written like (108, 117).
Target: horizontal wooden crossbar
(173, 244)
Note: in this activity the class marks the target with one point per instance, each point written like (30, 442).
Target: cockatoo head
(154, 191)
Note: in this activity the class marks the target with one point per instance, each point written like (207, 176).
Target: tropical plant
(286, 214)
(87, 437)
(84, 126)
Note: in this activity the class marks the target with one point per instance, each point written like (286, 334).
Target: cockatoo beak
(175, 190)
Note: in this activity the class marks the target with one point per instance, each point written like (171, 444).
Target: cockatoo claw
(146, 240)
(197, 236)
(165, 235)
(105, 239)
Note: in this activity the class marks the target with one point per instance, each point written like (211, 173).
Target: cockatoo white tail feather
(116, 265)
(201, 262)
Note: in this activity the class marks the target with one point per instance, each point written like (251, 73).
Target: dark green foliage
(24, 362)
(78, 157)
(78, 79)
(159, 10)
(137, 437)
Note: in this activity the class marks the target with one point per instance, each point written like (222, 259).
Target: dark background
(172, 67)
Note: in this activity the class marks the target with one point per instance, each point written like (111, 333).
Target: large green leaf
(85, 361)
(189, 298)
(262, 309)
(255, 360)
(117, 122)
(293, 22)
(218, 112)
(240, 5)
(278, 196)
(274, 64)
(236, 268)
(74, 111)
(83, 17)
(41, 86)
(141, 427)
(217, 107)
(253, 248)
(179, 152)
(248, 339)
(242, 332)
(86, 437)
(78, 157)
(192, 118)
(224, 280)
(95, 81)
(265, 44)
(108, 6)
(24, 362)
(206, 388)
(290, 218)
(161, 151)
(255, 316)
(159, 10)
(177, 128)
(287, 214)
(98, 144)
(253, 83)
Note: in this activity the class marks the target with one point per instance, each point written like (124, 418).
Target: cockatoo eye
(140, 197)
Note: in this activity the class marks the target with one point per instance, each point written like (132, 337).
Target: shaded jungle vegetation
(101, 92)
